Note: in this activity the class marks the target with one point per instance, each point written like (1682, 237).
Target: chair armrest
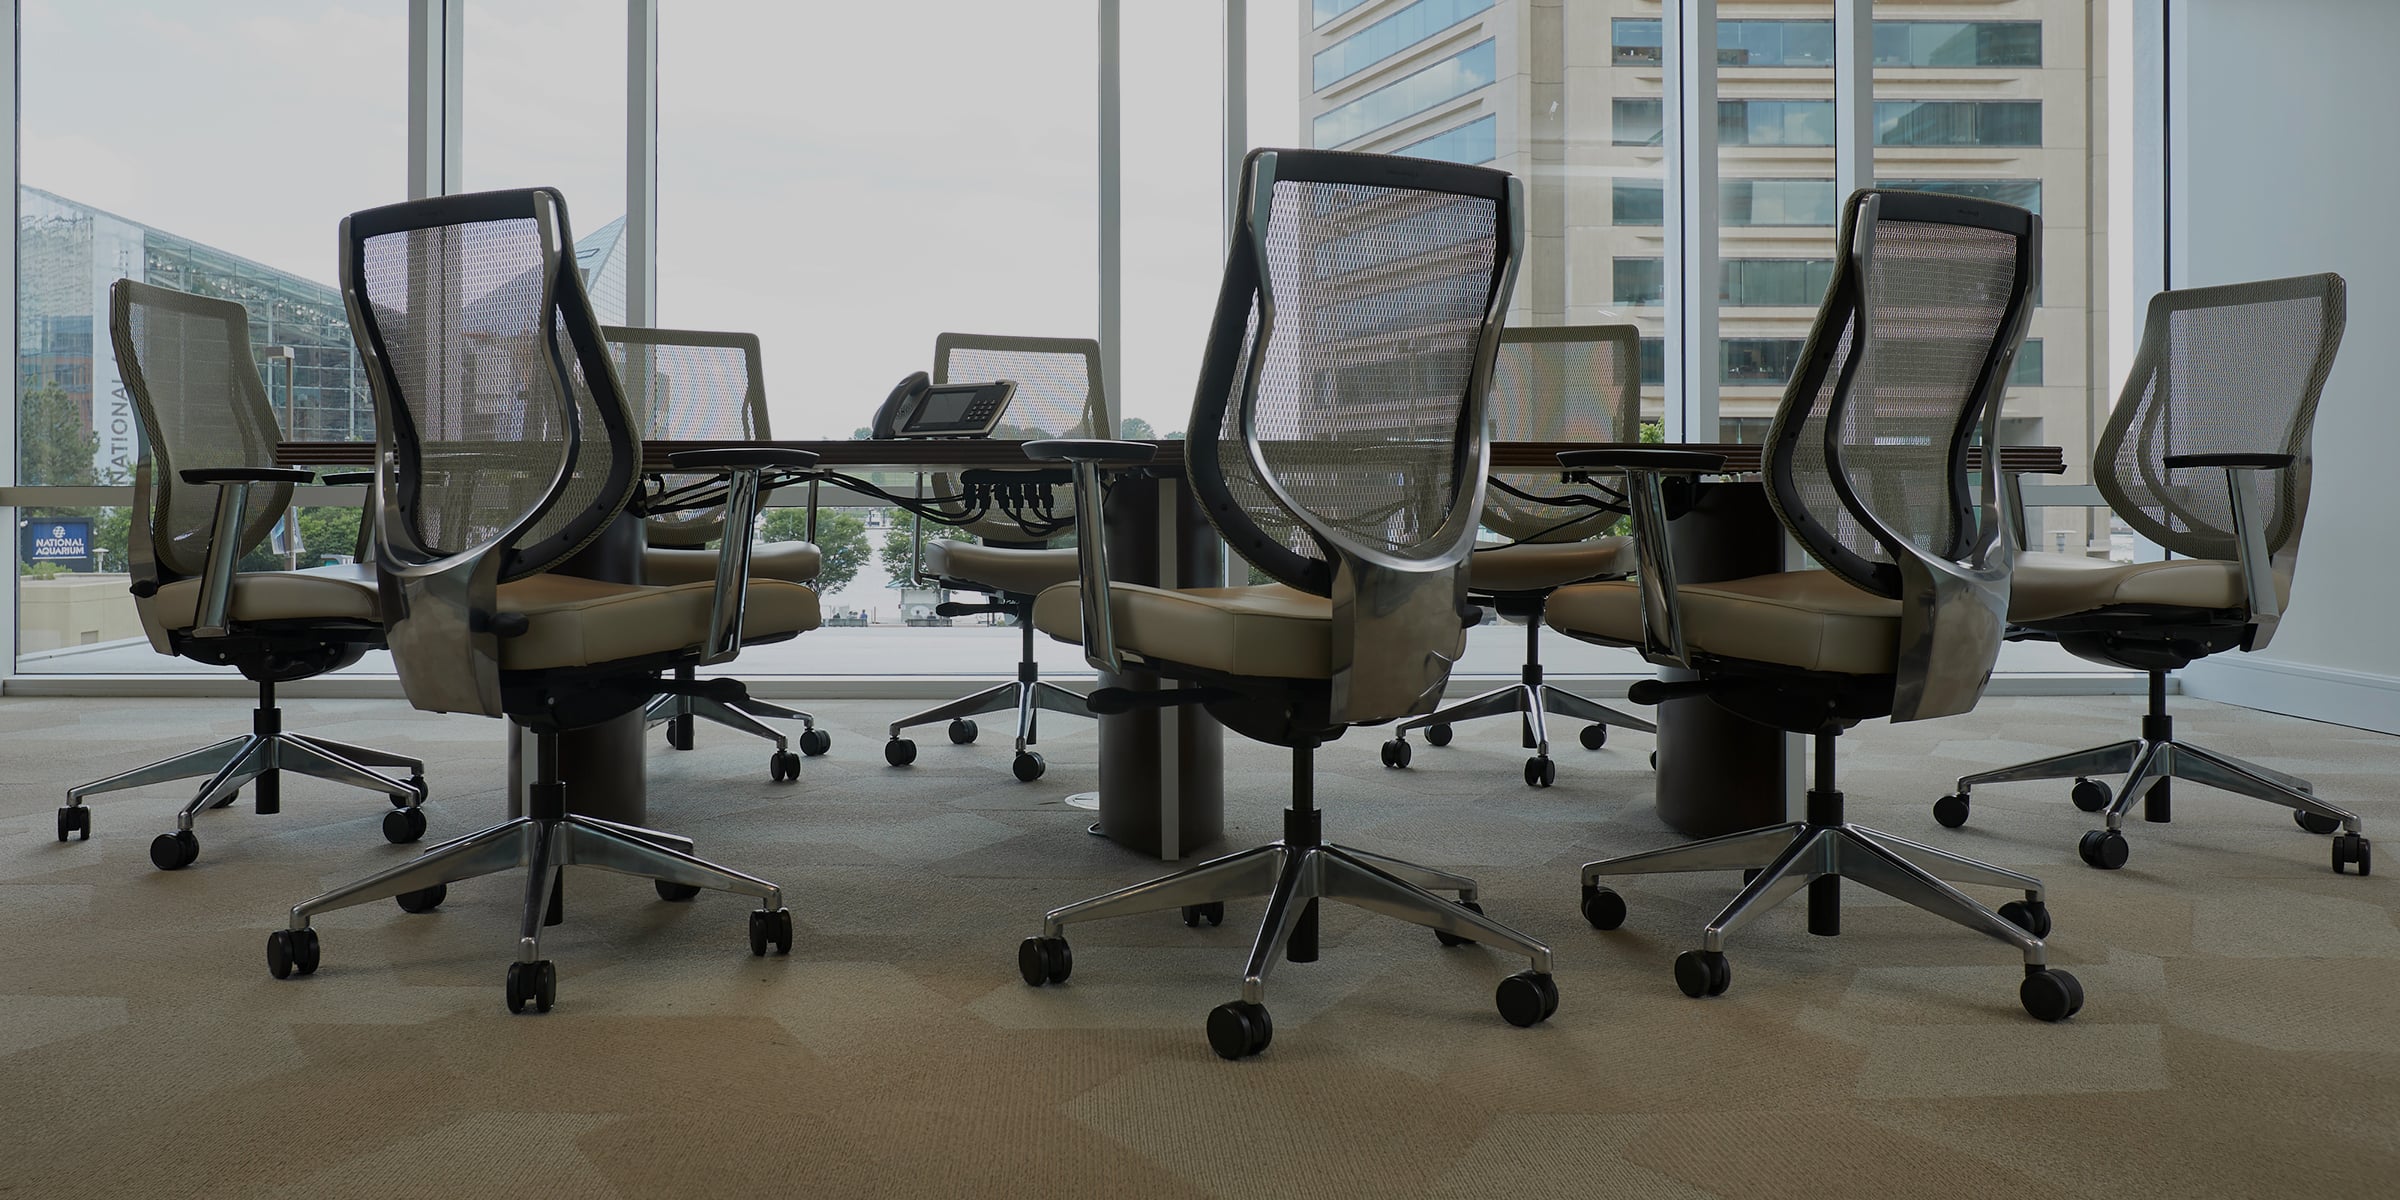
(2264, 462)
(1692, 462)
(2249, 534)
(1091, 551)
(1091, 450)
(246, 475)
(346, 478)
(723, 458)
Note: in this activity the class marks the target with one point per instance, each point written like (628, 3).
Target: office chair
(505, 449)
(1571, 383)
(1059, 395)
(1866, 466)
(206, 492)
(2224, 388)
(697, 384)
(1338, 443)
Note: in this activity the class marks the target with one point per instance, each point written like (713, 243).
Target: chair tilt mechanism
(1361, 511)
(485, 494)
(206, 493)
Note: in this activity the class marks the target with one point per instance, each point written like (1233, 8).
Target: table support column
(602, 764)
(1162, 771)
(1719, 773)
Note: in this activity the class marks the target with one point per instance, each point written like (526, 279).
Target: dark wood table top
(977, 452)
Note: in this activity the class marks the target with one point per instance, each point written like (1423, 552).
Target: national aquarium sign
(55, 539)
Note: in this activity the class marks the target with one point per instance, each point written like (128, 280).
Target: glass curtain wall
(847, 187)
(185, 146)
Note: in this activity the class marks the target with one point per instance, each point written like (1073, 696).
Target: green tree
(1135, 429)
(841, 540)
(899, 546)
(54, 445)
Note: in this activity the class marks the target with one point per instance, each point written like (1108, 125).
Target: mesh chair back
(187, 364)
(689, 384)
(1342, 390)
(1910, 349)
(498, 412)
(1568, 383)
(1059, 394)
(2235, 368)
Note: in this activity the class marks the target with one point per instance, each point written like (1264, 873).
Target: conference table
(1162, 769)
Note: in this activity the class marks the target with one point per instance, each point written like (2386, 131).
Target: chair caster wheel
(174, 851)
(2314, 823)
(403, 825)
(1027, 766)
(1540, 771)
(674, 892)
(1593, 736)
(962, 732)
(1448, 938)
(1602, 907)
(1396, 753)
(75, 821)
(679, 737)
(1212, 912)
(423, 900)
(1045, 960)
(292, 952)
(2104, 848)
(770, 927)
(1239, 1030)
(534, 983)
(1703, 973)
(1654, 760)
(814, 742)
(2351, 849)
(1526, 998)
(1950, 812)
(899, 752)
(2050, 995)
(2032, 916)
(2090, 795)
(1435, 735)
(783, 766)
(416, 785)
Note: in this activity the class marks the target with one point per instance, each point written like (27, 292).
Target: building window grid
(1437, 83)
(1389, 36)
(1474, 143)
(1636, 42)
(1769, 362)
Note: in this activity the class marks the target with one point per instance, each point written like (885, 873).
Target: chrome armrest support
(1645, 473)
(742, 467)
(1085, 457)
(2249, 530)
(2012, 498)
(225, 534)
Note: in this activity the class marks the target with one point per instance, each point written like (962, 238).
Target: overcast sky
(844, 179)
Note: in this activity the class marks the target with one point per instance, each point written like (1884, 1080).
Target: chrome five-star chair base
(258, 758)
(1818, 854)
(734, 708)
(1530, 698)
(1027, 694)
(1293, 874)
(544, 843)
(2149, 764)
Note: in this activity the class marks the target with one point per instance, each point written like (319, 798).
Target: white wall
(2284, 161)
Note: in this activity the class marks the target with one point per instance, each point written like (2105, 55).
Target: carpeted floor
(2242, 1036)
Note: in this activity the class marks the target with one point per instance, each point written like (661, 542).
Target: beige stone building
(1996, 99)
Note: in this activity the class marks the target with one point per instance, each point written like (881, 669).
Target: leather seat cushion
(337, 593)
(2044, 586)
(1540, 566)
(1271, 632)
(1025, 572)
(575, 622)
(1811, 620)
(791, 562)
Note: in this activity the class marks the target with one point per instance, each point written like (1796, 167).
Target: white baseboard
(2329, 694)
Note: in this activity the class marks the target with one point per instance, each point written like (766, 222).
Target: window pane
(1407, 96)
(1958, 123)
(1636, 42)
(1640, 281)
(1473, 143)
(557, 128)
(1637, 202)
(162, 143)
(1636, 122)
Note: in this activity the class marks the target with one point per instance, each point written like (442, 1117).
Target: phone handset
(896, 406)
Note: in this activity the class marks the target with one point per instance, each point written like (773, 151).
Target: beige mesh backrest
(690, 385)
(502, 403)
(1873, 448)
(1059, 395)
(1564, 383)
(1358, 388)
(187, 364)
(2228, 369)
